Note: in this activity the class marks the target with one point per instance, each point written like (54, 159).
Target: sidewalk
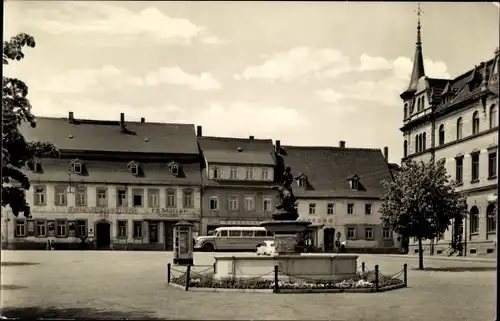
(485, 259)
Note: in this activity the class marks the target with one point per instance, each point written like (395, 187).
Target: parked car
(266, 249)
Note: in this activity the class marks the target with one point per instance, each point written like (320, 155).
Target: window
(249, 173)
(386, 233)
(459, 176)
(267, 205)
(121, 197)
(77, 167)
(460, 126)
(61, 228)
(475, 123)
(368, 209)
(233, 203)
(423, 103)
(493, 116)
(137, 229)
(492, 165)
(153, 197)
(355, 184)
(418, 104)
(41, 228)
(102, 197)
(247, 233)
(234, 233)
(265, 174)
(405, 149)
(81, 228)
(491, 224)
(424, 141)
(368, 233)
(312, 209)
(233, 173)
(20, 230)
(474, 220)
(40, 195)
(474, 167)
(171, 196)
(330, 208)
(260, 233)
(223, 233)
(81, 196)
(134, 169)
(406, 111)
(174, 169)
(216, 171)
(188, 198)
(412, 106)
(417, 144)
(302, 182)
(249, 203)
(214, 204)
(60, 197)
(350, 208)
(441, 134)
(351, 233)
(122, 229)
(138, 196)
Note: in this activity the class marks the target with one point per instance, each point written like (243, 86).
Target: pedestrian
(343, 246)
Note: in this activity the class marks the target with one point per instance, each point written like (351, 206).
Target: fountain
(292, 264)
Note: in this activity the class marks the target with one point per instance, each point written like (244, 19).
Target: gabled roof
(106, 136)
(223, 150)
(327, 169)
(115, 172)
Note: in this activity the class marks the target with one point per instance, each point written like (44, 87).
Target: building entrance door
(329, 239)
(153, 232)
(169, 236)
(103, 235)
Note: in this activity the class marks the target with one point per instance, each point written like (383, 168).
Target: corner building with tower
(457, 120)
(119, 184)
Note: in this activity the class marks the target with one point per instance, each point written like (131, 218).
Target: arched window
(493, 116)
(475, 123)
(416, 144)
(441, 134)
(406, 111)
(423, 103)
(419, 142)
(474, 220)
(460, 126)
(424, 142)
(405, 149)
(418, 104)
(491, 214)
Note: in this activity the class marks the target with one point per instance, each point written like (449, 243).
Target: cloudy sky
(307, 73)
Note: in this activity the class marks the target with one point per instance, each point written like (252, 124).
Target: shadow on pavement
(459, 269)
(17, 263)
(32, 313)
(7, 287)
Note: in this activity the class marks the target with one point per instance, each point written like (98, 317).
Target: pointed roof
(447, 89)
(418, 62)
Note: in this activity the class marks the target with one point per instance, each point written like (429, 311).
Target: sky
(306, 73)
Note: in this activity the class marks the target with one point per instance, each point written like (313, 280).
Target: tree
(421, 202)
(16, 151)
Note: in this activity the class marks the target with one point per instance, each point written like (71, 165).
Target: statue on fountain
(286, 210)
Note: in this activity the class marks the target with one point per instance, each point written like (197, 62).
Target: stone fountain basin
(285, 227)
(301, 267)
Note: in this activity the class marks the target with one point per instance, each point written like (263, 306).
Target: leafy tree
(16, 151)
(421, 202)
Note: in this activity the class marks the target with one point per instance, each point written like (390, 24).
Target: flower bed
(207, 282)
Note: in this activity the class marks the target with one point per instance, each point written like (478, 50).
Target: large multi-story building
(121, 184)
(237, 177)
(339, 190)
(457, 120)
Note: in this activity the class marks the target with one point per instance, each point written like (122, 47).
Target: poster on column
(183, 249)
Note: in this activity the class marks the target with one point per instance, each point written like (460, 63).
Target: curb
(456, 259)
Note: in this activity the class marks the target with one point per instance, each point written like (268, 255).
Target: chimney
(251, 137)
(342, 144)
(143, 120)
(199, 132)
(278, 146)
(71, 118)
(122, 122)
(386, 153)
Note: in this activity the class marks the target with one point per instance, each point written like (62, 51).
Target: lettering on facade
(167, 211)
(103, 210)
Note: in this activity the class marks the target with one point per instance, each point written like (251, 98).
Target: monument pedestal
(285, 243)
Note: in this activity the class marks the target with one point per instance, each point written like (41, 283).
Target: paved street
(133, 284)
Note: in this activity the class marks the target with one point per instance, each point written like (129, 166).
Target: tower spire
(418, 62)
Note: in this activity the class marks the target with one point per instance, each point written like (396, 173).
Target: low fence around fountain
(366, 281)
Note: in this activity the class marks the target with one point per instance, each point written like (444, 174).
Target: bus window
(235, 233)
(247, 233)
(269, 233)
(260, 233)
(222, 233)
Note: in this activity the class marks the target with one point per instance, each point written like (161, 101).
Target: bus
(234, 238)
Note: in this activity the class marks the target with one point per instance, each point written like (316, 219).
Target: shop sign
(103, 210)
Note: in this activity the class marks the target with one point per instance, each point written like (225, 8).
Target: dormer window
(35, 166)
(354, 182)
(302, 182)
(76, 166)
(216, 172)
(134, 168)
(175, 168)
